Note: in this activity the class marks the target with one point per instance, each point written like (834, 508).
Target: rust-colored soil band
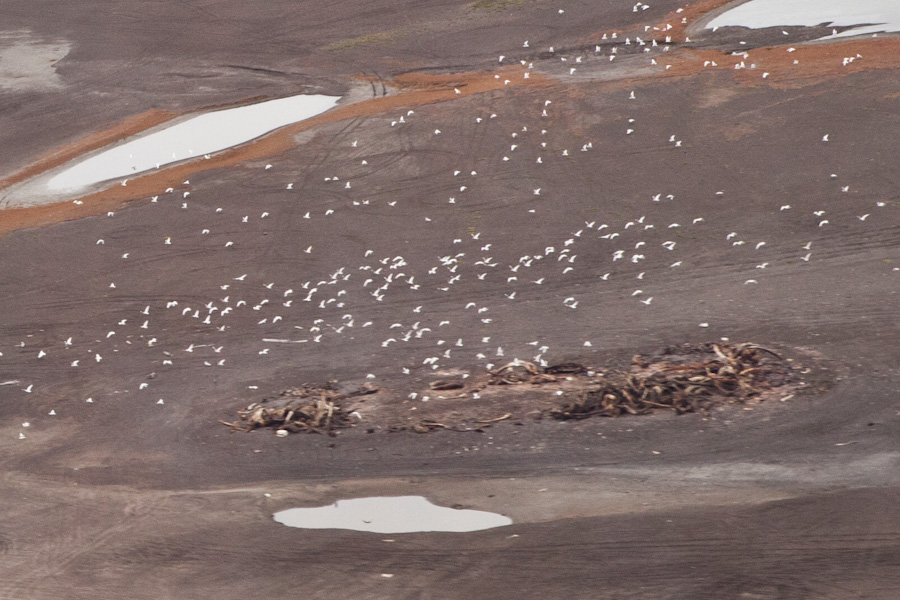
(815, 63)
(130, 126)
(414, 90)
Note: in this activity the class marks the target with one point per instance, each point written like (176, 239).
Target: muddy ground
(134, 490)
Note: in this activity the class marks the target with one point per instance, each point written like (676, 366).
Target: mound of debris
(308, 408)
(684, 379)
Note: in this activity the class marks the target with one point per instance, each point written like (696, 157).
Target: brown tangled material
(308, 408)
(684, 379)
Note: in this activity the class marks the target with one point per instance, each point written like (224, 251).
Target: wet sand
(126, 497)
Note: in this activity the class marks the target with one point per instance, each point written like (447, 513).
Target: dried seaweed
(684, 379)
(519, 371)
(309, 408)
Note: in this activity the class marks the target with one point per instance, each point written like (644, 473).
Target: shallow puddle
(191, 138)
(864, 16)
(399, 514)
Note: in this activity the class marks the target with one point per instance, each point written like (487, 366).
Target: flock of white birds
(316, 309)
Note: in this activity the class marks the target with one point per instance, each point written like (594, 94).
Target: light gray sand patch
(28, 63)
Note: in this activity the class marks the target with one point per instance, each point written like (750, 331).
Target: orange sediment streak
(130, 126)
(816, 63)
(415, 90)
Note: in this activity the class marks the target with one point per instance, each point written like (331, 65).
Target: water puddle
(191, 138)
(864, 16)
(399, 514)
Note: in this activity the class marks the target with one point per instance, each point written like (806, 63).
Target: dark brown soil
(743, 208)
